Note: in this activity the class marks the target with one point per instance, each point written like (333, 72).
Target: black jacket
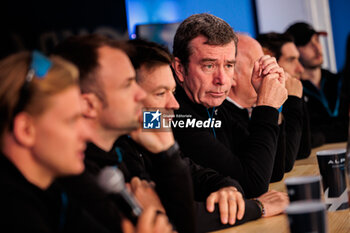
(328, 109)
(168, 174)
(214, 148)
(173, 186)
(291, 132)
(27, 208)
(306, 136)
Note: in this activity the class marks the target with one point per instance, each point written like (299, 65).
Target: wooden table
(338, 222)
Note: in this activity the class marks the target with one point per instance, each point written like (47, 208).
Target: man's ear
(91, 105)
(24, 129)
(179, 69)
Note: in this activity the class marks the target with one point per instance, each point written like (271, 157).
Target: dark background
(28, 25)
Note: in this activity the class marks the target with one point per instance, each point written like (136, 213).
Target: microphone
(111, 180)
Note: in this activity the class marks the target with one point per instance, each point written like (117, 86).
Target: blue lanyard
(64, 199)
(322, 98)
(211, 118)
(119, 154)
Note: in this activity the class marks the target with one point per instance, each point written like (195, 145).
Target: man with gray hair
(205, 56)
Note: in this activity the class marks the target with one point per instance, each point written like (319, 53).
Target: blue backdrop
(340, 15)
(238, 13)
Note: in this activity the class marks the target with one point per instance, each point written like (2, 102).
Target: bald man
(242, 99)
(248, 51)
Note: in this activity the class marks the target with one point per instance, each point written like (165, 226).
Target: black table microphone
(111, 179)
